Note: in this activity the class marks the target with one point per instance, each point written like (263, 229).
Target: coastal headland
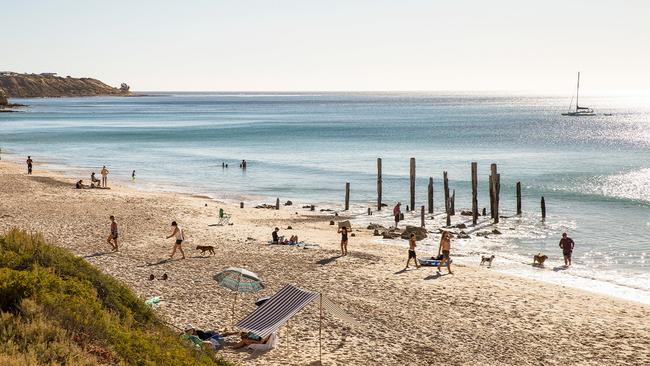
(16, 85)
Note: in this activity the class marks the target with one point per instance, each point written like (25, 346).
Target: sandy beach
(473, 317)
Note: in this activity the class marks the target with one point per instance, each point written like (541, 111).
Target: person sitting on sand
(293, 240)
(93, 180)
(275, 236)
(112, 237)
(178, 233)
(445, 247)
(248, 338)
(80, 184)
(412, 246)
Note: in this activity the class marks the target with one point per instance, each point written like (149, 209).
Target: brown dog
(539, 259)
(205, 248)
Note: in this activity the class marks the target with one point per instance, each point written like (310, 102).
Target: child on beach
(445, 247)
(412, 246)
(112, 237)
(344, 240)
(178, 233)
(133, 176)
(275, 236)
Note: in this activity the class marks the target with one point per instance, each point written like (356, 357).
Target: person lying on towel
(248, 338)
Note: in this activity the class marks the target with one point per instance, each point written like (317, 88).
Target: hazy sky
(535, 46)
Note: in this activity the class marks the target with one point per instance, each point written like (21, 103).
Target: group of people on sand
(444, 249)
(94, 182)
(277, 239)
(177, 233)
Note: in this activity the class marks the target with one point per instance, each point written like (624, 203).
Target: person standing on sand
(29, 165)
(112, 237)
(344, 240)
(178, 233)
(445, 248)
(133, 176)
(104, 174)
(567, 245)
(412, 246)
(397, 212)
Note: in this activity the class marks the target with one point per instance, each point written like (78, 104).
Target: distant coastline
(16, 85)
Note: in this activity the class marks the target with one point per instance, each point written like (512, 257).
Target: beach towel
(271, 343)
(432, 262)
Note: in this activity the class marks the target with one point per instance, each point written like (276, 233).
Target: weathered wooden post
(452, 206)
(447, 201)
(378, 184)
(518, 198)
(474, 193)
(430, 195)
(347, 196)
(277, 203)
(422, 216)
(412, 175)
(493, 174)
(543, 208)
(497, 191)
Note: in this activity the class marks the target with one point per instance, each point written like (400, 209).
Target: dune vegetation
(58, 309)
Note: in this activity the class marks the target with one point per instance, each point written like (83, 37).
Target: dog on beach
(205, 248)
(539, 259)
(487, 260)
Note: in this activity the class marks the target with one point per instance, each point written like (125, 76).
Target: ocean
(594, 172)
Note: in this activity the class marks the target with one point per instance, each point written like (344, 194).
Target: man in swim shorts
(567, 245)
(112, 237)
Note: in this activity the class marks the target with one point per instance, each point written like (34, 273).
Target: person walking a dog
(177, 232)
(567, 245)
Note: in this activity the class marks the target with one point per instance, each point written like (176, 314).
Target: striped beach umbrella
(238, 280)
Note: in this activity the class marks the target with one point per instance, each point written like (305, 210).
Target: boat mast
(578, 93)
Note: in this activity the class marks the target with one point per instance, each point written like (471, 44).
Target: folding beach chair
(224, 218)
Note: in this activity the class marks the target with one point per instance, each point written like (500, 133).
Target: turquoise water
(593, 171)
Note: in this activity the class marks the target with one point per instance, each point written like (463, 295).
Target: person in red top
(567, 245)
(396, 212)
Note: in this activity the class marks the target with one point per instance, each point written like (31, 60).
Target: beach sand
(473, 317)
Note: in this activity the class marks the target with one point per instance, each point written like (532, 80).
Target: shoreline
(536, 322)
(510, 264)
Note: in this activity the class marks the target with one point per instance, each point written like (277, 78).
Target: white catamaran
(579, 111)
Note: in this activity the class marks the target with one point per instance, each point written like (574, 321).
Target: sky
(461, 45)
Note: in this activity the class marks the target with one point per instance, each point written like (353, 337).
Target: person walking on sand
(412, 246)
(445, 248)
(133, 176)
(397, 212)
(29, 165)
(567, 245)
(344, 240)
(177, 232)
(112, 237)
(104, 174)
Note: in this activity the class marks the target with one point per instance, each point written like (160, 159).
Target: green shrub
(57, 309)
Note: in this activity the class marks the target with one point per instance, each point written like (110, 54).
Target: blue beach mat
(433, 262)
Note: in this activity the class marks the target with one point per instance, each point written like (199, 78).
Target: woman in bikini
(344, 240)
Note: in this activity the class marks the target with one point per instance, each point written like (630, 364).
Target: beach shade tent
(238, 280)
(277, 310)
